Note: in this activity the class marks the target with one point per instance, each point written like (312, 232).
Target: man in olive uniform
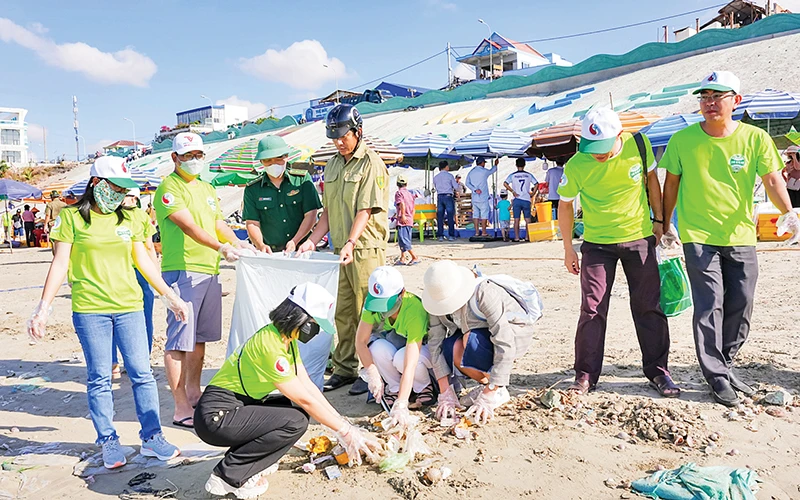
(355, 210)
(280, 207)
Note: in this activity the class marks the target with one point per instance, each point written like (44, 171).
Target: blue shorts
(478, 354)
(404, 237)
(520, 206)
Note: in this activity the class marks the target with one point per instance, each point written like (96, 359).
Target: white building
(508, 57)
(213, 118)
(14, 136)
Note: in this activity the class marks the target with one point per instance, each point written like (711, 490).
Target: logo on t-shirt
(737, 162)
(212, 203)
(124, 233)
(168, 199)
(57, 222)
(563, 182)
(635, 172)
(282, 366)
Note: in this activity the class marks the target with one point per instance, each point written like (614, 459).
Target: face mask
(276, 170)
(308, 332)
(107, 199)
(192, 167)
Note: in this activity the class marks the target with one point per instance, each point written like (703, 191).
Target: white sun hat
(448, 287)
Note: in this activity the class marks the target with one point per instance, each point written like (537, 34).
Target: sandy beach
(584, 450)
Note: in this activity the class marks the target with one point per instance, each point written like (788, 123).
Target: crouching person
(390, 343)
(478, 328)
(239, 411)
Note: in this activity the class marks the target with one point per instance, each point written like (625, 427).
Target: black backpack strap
(640, 145)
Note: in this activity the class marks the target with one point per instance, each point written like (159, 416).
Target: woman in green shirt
(97, 242)
(239, 410)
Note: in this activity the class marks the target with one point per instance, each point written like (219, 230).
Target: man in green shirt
(280, 208)
(609, 175)
(355, 210)
(193, 236)
(711, 173)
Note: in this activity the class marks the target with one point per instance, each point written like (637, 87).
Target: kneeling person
(390, 343)
(474, 328)
(237, 409)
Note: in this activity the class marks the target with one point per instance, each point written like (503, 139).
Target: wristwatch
(493, 387)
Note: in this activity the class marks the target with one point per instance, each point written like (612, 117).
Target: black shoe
(336, 381)
(358, 387)
(740, 386)
(723, 393)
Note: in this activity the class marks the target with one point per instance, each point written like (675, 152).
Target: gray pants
(723, 283)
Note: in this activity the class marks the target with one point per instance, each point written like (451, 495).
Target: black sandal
(427, 397)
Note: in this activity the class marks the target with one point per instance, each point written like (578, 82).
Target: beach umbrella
(13, 190)
(77, 189)
(559, 141)
(233, 179)
(147, 180)
(420, 150)
(773, 110)
(57, 186)
(633, 121)
(388, 153)
(661, 131)
(242, 158)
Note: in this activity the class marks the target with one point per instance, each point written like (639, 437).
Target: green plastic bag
(676, 296)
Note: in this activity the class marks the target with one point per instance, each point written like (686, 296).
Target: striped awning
(634, 121)
(661, 131)
(242, 158)
(558, 134)
(493, 142)
(58, 186)
(426, 144)
(388, 153)
(769, 104)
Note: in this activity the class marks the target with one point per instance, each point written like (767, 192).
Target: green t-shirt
(101, 263)
(180, 252)
(411, 321)
(615, 207)
(718, 175)
(265, 360)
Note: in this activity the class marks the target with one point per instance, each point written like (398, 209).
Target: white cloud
(442, 5)
(38, 28)
(124, 66)
(300, 65)
(254, 109)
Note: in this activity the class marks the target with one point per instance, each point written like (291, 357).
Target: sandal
(426, 396)
(581, 386)
(116, 373)
(389, 399)
(665, 386)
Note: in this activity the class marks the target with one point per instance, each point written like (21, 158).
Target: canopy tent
(388, 153)
(661, 131)
(773, 110)
(13, 190)
(419, 150)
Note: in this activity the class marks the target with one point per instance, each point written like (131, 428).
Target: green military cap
(271, 146)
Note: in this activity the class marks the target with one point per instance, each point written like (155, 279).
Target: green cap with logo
(272, 146)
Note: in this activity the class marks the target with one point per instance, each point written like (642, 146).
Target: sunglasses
(189, 156)
(713, 97)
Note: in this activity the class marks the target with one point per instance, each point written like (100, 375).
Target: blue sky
(146, 60)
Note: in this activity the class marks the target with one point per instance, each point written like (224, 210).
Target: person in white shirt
(521, 184)
(478, 183)
(553, 179)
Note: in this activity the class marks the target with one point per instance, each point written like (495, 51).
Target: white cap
(187, 141)
(317, 302)
(114, 170)
(503, 191)
(722, 81)
(599, 131)
(385, 284)
(135, 192)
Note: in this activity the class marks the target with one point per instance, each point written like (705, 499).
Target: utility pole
(44, 132)
(75, 125)
(666, 38)
(697, 25)
(449, 67)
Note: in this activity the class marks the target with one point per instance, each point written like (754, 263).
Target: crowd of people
(406, 350)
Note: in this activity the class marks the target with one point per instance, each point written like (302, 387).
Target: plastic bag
(676, 295)
(395, 462)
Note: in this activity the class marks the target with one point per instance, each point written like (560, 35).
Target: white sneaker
(252, 488)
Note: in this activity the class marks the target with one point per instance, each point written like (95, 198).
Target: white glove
(670, 239)
(307, 246)
(355, 442)
(372, 377)
(38, 321)
(401, 418)
(482, 410)
(229, 252)
(789, 223)
(246, 248)
(175, 304)
(447, 404)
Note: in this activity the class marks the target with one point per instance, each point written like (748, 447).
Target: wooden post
(666, 39)
(731, 20)
(611, 100)
(697, 25)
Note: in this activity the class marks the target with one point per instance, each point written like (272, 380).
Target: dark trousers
(29, 239)
(598, 268)
(555, 209)
(258, 433)
(794, 197)
(446, 207)
(723, 281)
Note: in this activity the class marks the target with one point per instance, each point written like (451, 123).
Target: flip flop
(400, 263)
(665, 386)
(182, 423)
(413, 263)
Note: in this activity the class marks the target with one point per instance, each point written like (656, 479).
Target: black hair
(401, 184)
(288, 317)
(27, 207)
(86, 202)
(443, 165)
(520, 162)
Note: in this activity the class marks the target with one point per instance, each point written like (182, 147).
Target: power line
(400, 70)
(616, 28)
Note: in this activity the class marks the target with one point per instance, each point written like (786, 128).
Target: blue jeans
(95, 332)
(446, 207)
(149, 298)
